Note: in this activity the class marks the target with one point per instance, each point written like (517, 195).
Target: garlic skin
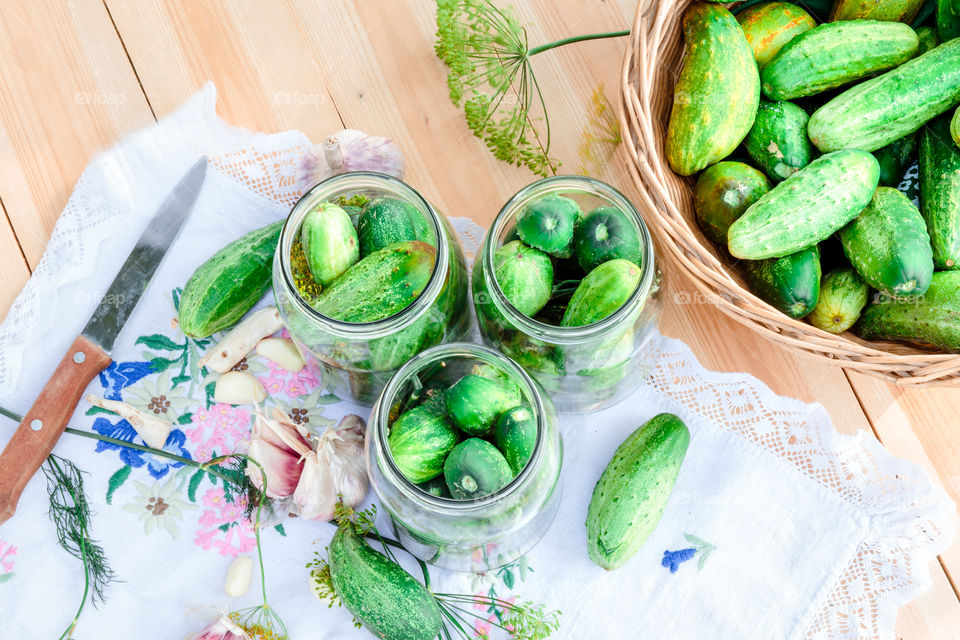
(239, 387)
(280, 451)
(349, 150)
(335, 471)
(152, 429)
(241, 340)
(221, 629)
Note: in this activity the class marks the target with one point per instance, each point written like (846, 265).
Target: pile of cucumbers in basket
(800, 123)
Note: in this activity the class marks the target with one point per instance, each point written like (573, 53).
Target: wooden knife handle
(43, 425)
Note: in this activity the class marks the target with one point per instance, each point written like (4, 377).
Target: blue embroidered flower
(157, 466)
(701, 548)
(120, 375)
(673, 559)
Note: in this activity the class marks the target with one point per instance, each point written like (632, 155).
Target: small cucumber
(895, 158)
(229, 284)
(889, 246)
(475, 468)
(329, 242)
(601, 293)
(380, 285)
(790, 284)
(511, 388)
(955, 127)
(606, 233)
(525, 275)
(387, 220)
(548, 223)
(770, 25)
(436, 487)
(778, 141)
(940, 191)
(633, 490)
(843, 295)
(930, 319)
(722, 193)
(383, 597)
(419, 441)
(948, 20)
(888, 10)
(928, 39)
(515, 435)
(474, 403)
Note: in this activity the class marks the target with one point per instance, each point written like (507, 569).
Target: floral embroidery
(673, 559)
(120, 375)
(223, 526)
(217, 430)
(121, 430)
(7, 551)
(159, 506)
(160, 397)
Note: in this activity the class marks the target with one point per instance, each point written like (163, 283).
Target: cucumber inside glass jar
(565, 284)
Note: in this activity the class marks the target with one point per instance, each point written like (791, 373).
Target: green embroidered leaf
(328, 398)
(281, 530)
(116, 480)
(209, 393)
(6, 576)
(508, 578)
(159, 341)
(179, 379)
(195, 481)
(185, 418)
(161, 364)
(225, 526)
(92, 411)
(176, 298)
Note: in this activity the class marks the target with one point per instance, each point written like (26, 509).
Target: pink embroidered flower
(481, 628)
(7, 551)
(217, 429)
(301, 383)
(222, 525)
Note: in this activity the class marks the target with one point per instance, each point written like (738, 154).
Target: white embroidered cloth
(778, 527)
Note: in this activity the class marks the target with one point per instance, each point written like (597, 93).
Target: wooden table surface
(76, 76)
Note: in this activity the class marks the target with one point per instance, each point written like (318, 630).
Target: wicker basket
(650, 66)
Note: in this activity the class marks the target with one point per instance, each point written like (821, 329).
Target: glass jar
(583, 368)
(359, 358)
(466, 535)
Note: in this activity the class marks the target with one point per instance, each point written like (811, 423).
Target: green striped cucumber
(940, 191)
(722, 193)
(948, 19)
(383, 597)
(631, 494)
(790, 284)
(525, 275)
(547, 224)
(777, 142)
(889, 10)
(606, 233)
(770, 25)
(955, 127)
(515, 435)
(895, 158)
(474, 403)
(419, 441)
(475, 468)
(387, 220)
(843, 295)
(807, 207)
(717, 93)
(491, 372)
(930, 319)
(329, 242)
(601, 293)
(880, 110)
(889, 246)
(229, 284)
(928, 39)
(832, 55)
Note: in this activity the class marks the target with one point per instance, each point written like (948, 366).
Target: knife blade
(44, 423)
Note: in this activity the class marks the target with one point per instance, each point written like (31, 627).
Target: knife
(89, 354)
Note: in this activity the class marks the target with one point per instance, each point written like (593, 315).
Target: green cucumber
(380, 285)
(888, 10)
(930, 319)
(515, 435)
(383, 597)
(807, 207)
(525, 275)
(386, 221)
(777, 142)
(547, 224)
(770, 25)
(790, 284)
(629, 499)
(948, 19)
(606, 233)
(475, 468)
(832, 55)
(329, 242)
(511, 388)
(716, 96)
(419, 441)
(955, 127)
(889, 246)
(436, 487)
(474, 403)
(843, 295)
(722, 193)
(878, 111)
(229, 283)
(940, 191)
(928, 39)
(601, 293)
(895, 158)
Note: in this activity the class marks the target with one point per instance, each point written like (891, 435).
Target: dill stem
(68, 633)
(591, 36)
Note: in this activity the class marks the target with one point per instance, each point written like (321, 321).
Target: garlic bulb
(349, 150)
(335, 471)
(152, 429)
(221, 629)
(280, 451)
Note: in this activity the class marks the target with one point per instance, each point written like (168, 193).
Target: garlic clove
(152, 429)
(282, 468)
(239, 576)
(282, 432)
(335, 471)
(282, 351)
(222, 629)
(241, 340)
(349, 150)
(239, 387)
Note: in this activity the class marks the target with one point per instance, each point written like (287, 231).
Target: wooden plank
(13, 266)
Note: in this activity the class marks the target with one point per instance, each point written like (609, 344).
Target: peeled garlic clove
(239, 387)
(151, 428)
(238, 576)
(349, 150)
(241, 340)
(222, 629)
(281, 351)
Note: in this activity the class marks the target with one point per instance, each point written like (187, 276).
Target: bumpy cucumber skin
(843, 295)
(940, 191)
(387, 600)
(515, 435)
(475, 468)
(548, 223)
(722, 193)
(436, 487)
(511, 388)
(807, 207)
(605, 233)
(887, 10)
(602, 292)
(930, 319)
(525, 275)
(386, 221)
(329, 242)
(380, 285)
(778, 141)
(948, 20)
(895, 158)
(770, 25)
(889, 246)
(227, 285)
(878, 111)
(928, 39)
(629, 498)
(790, 284)
(419, 441)
(835, 54)
(955, 127)
(474, 403)
(716, 96)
